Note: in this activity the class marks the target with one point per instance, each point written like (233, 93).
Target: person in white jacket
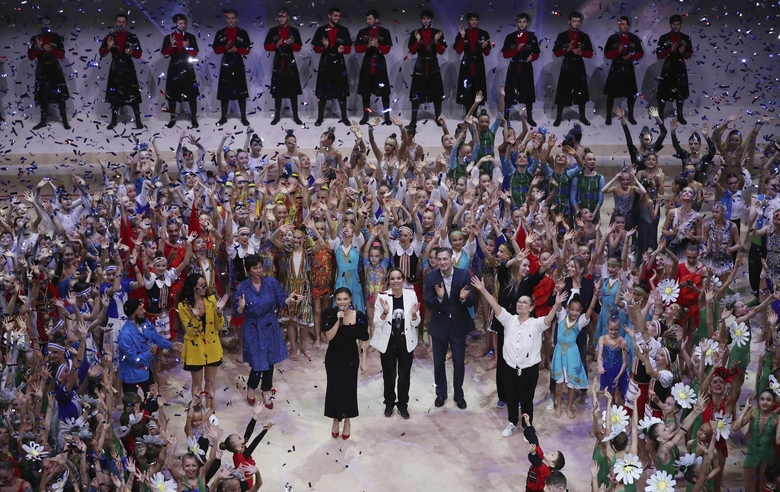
(396, 316)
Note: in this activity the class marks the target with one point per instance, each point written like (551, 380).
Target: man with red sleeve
(623, 48)
(233, 44)
(122, 88)
(181, 83)
(474, 44)
(332, 42)
(521, 48)
(284, 41)
(375, 41)
(50, 87)
(427, 86)
(573, 45)
(674, 48)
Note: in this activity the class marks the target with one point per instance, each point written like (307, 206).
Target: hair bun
(393, 135)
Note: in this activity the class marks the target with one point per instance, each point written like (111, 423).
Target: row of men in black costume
(332, 41)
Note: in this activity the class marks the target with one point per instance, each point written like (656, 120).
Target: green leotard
(701, 331)
(604, 465)
(742, 354)
(668, 467)
(760, 449)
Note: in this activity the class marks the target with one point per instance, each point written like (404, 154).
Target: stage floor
(437, 449)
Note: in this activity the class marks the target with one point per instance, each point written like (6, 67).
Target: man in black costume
(427, 86)
(233, 44)
(375, 41)
(50, 87)
(474, 44)
(674, 48)
(522, 48)
(122, 88)
(623, 48)
(284, 41)
(181, 84)
(332, 42)
(573, 45)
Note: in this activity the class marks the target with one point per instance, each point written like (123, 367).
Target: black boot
(583, 119)
(277, 111)
(139, 125)
(171, 123)
(344, 116)
(630, 101)
(529, 115)
(366, 110)
(320, 112)
(242, 109)
(680, 117)
(558, 117)
(172, 111)
(223, 119)
(114, 117)
(661, 108)
(194, 114)
(64, 116)
(610, 106)
(365, 117)
(415, 110)
(42, 123)
(294, 107)
(386, 110)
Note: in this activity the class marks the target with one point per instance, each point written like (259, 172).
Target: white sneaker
(510, 429)
(587, 400)
(550, 405)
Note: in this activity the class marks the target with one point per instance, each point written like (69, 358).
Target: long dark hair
(187, 294)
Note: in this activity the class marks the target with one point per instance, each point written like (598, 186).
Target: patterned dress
(718, 259)
(263, 344)
(348, 276)
(566, 361)
(296, 280)
(375, 278)
(322, 273)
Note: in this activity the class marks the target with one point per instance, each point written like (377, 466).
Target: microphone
(341, 320)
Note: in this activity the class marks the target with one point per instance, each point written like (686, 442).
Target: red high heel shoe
(335, 434)
(345, 436)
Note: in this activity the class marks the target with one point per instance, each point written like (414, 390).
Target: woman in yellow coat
(201, 318)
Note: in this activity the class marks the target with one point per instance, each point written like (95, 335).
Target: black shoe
(171, 123)
(631, 119)
(584, 120)
(66, 125)
(318, 122)
(40, 125)
(388, 412)
(297, 120)
(608, 121)
(461, 404)
(345, 121)
(681, 120)
(111, 126)
(436, 120)
(439, 401)
(365, 119)
(222, 121)
(275, 120)
(195, 123)
(530, 121)
(387, 121)
(557, 122)
(404, 413)
(244, 121)
(139, 124)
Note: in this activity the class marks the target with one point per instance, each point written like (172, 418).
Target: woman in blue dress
(346, 249)
(257, 298)
(567, 367)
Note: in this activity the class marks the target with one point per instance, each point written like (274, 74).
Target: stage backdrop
(734, 62)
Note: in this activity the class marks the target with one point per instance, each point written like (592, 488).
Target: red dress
(688, 297)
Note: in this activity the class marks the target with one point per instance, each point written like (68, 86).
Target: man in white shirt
(522, 351)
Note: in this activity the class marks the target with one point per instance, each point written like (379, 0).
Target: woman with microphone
(396, 316)
(343, 325)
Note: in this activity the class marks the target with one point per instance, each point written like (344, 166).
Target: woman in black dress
(343, 326)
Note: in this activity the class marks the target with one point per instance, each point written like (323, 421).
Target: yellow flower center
(662, 486)
(34, 452)
(683, 395)
(160, 487)
(738, 332)
(668, 290)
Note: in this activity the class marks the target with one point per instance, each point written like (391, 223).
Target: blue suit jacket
(450, 313)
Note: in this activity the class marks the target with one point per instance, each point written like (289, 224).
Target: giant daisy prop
(740, 333)
(683, 395)
(669, 290)
(660, 481)
(686, 461)
(706, 348)
(643, 426)
(194, 448)
(723, 425)
(34, 451)
(628, 470)
(158, 483)
(774, 385)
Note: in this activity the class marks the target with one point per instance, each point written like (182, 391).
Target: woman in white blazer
(396, 316)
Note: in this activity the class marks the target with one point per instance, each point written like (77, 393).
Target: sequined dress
(718, 259)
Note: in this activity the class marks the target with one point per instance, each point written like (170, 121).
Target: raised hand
(440, 291)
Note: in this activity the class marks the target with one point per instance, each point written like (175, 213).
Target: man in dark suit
(448, 296)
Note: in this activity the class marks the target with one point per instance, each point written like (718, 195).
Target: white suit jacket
(383, 328)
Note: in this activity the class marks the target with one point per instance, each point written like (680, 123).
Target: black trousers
(754, 264)
(520, 388)
(396, 361)
(458, 345)
(133, 387)
(267, 376)
(501, 367)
